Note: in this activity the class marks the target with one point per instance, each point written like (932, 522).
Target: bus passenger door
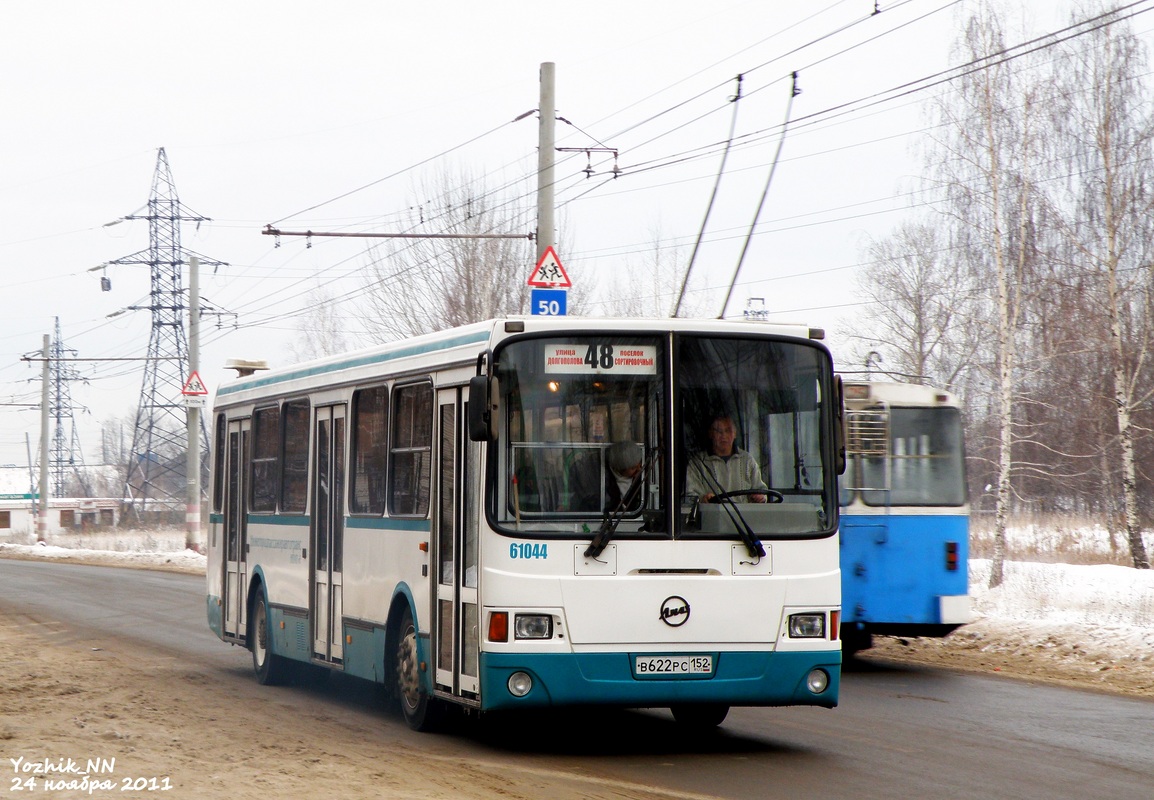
(455, 525)
(236, 528)
(328, 533)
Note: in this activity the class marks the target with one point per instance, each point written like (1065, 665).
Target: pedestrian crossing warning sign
(194, 385)
(549, 274)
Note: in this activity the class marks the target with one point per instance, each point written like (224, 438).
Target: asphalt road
(907, 733)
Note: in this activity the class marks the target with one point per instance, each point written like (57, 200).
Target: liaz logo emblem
(675, 611)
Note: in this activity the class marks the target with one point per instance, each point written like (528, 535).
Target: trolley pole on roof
(547, 111)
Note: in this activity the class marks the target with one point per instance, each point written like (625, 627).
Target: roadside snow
(1101, 611)
(163, 549)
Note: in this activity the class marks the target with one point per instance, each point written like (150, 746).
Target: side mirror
(483, 393)
(839, 432)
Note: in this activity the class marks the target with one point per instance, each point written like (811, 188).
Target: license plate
(672, 666)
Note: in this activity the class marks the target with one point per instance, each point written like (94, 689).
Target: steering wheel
(771, 495)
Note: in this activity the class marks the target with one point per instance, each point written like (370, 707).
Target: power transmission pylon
(66, 457)
(156, 467)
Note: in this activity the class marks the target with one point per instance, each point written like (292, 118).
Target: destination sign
(601, 359)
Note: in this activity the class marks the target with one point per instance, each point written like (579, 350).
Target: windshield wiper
(744, 531)
(610, 521)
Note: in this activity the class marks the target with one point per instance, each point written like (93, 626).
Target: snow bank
(1101, 612)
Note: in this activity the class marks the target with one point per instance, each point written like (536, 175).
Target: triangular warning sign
(194, 385)
(549, 273)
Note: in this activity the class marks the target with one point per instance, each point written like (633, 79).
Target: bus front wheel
(422, 712)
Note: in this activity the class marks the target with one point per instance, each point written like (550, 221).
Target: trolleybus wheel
(421, 711)
(270, 668)
(700, 715)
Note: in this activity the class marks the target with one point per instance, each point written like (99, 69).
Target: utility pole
(42, 519)
(547, 111)
(192, 510)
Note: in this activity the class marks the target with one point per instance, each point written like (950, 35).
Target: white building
(65, 514)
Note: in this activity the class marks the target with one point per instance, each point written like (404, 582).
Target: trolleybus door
(455, 525)
(236, 528)
(328, 532)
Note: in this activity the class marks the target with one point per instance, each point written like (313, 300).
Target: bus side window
(295, 457)
(218, 464)
(370, 450)
(265, 458)
(411, 453)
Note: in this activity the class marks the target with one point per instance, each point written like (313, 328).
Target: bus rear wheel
(422, 712)
(270, 668)
(700, 715)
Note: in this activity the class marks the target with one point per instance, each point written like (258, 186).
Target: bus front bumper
(739, 679)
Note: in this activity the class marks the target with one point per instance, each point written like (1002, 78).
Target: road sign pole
(192, 507)
(547, 112)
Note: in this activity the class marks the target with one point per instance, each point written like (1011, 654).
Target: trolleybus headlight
(807, 626)
(817, 681)
(519, 684)
(533, 626)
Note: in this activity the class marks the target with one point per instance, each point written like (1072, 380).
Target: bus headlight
(807, 626)
(519, 684)
(533, 626)
(817, 681)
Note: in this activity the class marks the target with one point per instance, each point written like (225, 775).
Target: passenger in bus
(725, 468)
(622, 467)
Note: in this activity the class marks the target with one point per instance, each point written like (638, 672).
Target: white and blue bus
(904, 514)
(431, 515)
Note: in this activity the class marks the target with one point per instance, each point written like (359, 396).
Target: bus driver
(725, 468)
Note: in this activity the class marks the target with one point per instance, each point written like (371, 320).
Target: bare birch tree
(1107, 126)
(415, 286)
(321, 331)
(991, 117)
(920, 307)
(648, 285)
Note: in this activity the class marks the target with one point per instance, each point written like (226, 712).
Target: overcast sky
(269, 111)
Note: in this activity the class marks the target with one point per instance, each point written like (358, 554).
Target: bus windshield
(620, 425)
(751, 442)
(581, 422)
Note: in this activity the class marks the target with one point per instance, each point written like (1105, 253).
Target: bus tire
(422, 712)
(700, 715)
(270, 668)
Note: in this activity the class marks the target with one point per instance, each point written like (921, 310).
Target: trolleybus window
(921, 462)
(265, 457)
(566, 403)
(295, 485)
(412, 450)
(218, 464)
(569, 403)
(370, 453)
(769, 394)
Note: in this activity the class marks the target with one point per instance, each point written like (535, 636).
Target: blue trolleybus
(904, 516)
(451, 516)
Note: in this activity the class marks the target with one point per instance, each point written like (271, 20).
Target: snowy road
(897, 733)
